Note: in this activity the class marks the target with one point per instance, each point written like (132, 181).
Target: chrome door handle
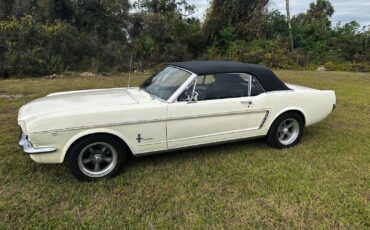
(246, 102)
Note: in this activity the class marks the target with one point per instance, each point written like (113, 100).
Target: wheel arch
(86, 133)
(272, 137)
(291, 110)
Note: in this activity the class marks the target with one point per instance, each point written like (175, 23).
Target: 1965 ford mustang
(185, 104)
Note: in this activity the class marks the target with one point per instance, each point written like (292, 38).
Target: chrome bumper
(27, 148)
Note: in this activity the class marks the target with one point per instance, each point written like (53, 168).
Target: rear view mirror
(195, 96)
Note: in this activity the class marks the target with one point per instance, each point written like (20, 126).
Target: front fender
(84, 133)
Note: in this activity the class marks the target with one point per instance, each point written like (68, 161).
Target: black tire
(94, 150)
(276, 134)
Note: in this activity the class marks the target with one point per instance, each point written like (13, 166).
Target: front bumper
(27, 147)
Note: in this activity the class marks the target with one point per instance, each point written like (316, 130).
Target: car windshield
(166, 82)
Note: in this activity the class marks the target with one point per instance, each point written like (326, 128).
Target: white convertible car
(185, 104)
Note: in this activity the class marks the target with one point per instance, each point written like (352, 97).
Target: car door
(258, 104)
(220, 113)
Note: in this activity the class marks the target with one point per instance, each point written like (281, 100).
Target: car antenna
(129, 73)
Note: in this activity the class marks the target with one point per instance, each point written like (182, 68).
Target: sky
(345, 10)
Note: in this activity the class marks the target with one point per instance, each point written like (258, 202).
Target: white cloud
(345, 11)
(201, 5)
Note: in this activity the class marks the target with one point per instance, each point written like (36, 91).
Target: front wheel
(96, 157)
(286, 131)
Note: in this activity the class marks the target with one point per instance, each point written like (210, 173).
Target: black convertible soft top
(264, 75)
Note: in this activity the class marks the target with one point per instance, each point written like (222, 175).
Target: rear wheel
(286, 131)
(96, 157)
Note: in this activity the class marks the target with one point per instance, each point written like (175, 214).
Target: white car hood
(81, 100)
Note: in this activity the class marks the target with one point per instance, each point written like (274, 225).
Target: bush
(347, 66)
(272, 53)
(33, 49)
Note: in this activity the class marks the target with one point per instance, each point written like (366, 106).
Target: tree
(6, 7)
(243, 16)
(289, 25)
(351, 41)
(321, 11)
(160, 31)
(312, 32)
(177, 7)
(234, 20)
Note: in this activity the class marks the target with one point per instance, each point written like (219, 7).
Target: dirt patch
(87, 74)
(11, 97)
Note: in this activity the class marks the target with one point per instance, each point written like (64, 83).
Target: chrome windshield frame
(182, 88)
(179, 90)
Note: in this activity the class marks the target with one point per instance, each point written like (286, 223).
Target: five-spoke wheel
(95, 157)
(286, 130)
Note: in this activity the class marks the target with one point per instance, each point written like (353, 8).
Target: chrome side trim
(264, 119)
(154, 120)
(215, 114)
(154, 143)
(27, 148)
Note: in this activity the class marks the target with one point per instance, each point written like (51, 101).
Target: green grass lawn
(324, 182)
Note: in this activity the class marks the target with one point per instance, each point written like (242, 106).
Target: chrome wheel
(288, 131)
(97, 159)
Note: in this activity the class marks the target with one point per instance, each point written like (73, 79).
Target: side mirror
(195, 96)
(184, 97)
